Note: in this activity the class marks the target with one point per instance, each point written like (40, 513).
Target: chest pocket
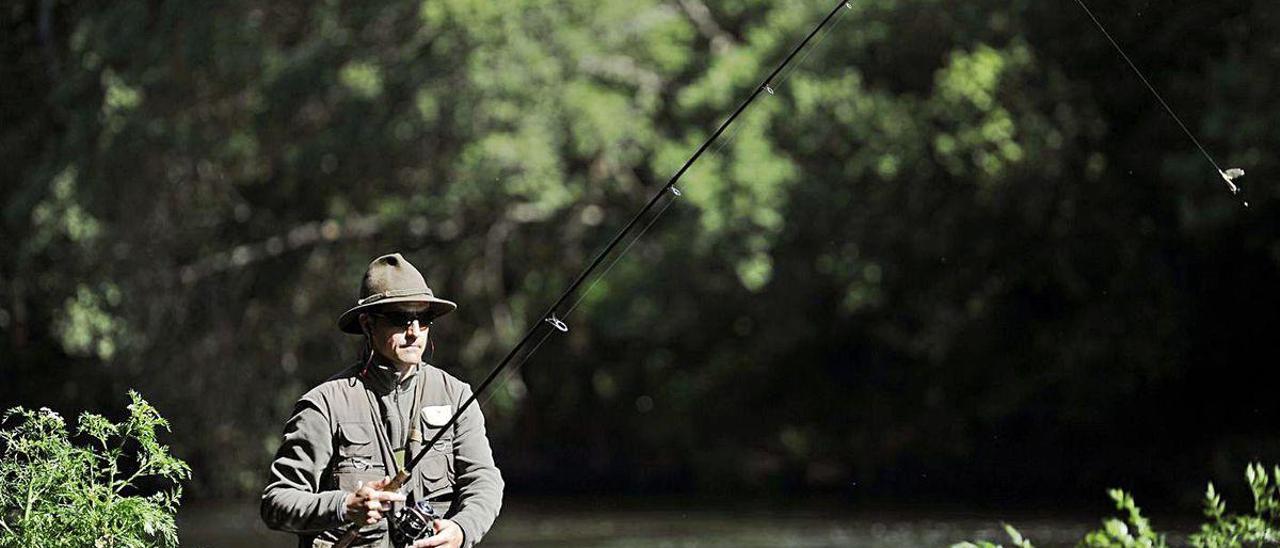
(437, 468)
(357, 455)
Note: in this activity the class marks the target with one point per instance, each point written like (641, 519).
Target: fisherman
(348, 435)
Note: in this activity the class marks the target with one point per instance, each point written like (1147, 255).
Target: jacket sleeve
(292, 500)
(479, 482)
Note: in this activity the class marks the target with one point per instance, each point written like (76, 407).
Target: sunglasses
(403, 319)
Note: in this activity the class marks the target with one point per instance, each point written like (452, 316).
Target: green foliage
(1132, 531)
(1261, 528)
(118, 487)
(1015, 538)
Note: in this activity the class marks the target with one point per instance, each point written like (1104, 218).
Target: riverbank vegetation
(102, 484)
(1261, 527)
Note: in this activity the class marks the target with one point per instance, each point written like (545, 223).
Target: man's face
(400, 341)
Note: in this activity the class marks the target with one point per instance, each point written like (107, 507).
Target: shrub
(1261, 528)
(1258, 529)
(119, 487)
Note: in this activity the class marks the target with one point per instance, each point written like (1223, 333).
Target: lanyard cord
(413, 435)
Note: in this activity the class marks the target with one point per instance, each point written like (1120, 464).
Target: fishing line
(1228, 175)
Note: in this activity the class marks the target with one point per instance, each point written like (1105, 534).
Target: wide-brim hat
(392, 279)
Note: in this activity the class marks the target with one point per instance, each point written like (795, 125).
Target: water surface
(625, 522)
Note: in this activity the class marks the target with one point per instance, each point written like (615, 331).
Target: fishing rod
(548, 319)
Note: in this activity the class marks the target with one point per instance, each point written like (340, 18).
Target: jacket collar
(382, 376)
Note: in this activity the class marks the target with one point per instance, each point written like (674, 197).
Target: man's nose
(416, 328)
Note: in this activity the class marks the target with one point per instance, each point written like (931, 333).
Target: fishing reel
(411, 523)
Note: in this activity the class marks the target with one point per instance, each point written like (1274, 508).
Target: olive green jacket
(334, 440)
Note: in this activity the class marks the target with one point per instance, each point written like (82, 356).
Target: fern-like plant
(118, 487)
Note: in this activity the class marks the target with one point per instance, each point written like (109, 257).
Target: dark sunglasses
(403, 319)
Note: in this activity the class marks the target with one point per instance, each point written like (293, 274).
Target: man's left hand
(448, 534)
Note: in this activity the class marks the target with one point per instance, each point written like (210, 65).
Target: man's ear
(365, 324)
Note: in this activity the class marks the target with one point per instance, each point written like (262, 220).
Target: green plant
(1259, 529)
(1136, 533)
(1014, 536)
(1262, 528)
(119, 488)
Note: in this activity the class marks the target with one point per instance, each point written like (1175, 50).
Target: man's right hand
(366, 505)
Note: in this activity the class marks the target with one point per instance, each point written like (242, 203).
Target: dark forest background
(961, 254)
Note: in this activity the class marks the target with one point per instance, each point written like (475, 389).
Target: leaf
(1116, 528)
(1016, 537)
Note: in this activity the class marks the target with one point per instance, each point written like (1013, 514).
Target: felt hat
(391, 279)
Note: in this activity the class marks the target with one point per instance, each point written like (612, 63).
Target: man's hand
(448, 534)
(366, 505)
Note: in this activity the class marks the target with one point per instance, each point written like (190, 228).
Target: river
(626, 522)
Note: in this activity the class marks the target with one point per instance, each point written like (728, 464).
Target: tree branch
(299, 236)
(700, 14)
(624, 69)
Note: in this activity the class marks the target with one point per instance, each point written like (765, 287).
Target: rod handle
(353, 532)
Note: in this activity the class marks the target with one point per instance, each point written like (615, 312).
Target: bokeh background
(961, 258)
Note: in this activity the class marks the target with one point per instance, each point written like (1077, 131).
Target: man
(350, 434)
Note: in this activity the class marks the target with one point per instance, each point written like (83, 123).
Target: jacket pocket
(358, 459)
(437, 467)
(356, 439)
